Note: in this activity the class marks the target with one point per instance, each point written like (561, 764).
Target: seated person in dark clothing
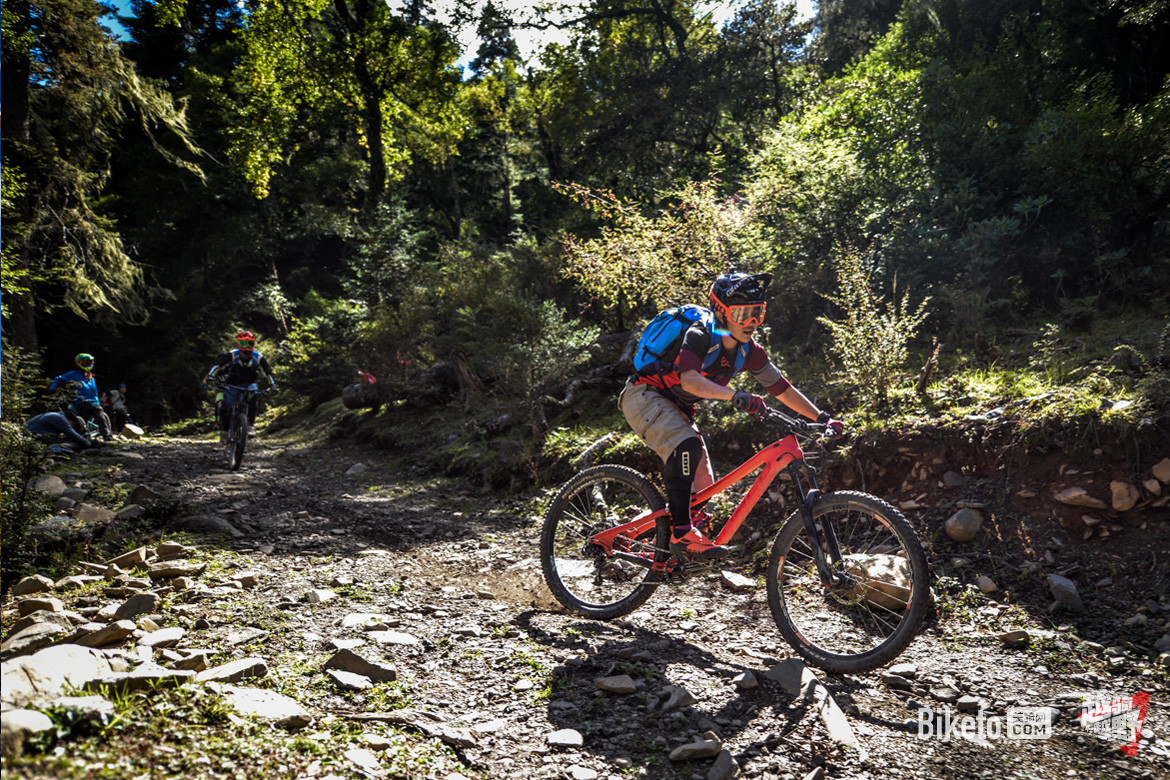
(60, 428)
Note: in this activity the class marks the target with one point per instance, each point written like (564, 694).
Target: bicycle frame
(784, 453)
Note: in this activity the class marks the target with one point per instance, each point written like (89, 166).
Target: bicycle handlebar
(803, 428)
(242, 388)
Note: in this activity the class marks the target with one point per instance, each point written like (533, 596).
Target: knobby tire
(857, 628)
(237, 440)
(581, 576)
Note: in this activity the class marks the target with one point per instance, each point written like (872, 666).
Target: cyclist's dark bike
(847, 577)
(238, 425)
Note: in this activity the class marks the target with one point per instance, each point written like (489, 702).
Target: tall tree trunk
(372, 114)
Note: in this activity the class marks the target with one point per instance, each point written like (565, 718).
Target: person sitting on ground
(118, 406)
(241, 366)
(85, 393)
(60, 428)
(659, 403)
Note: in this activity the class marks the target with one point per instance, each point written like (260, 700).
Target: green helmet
(84, 361)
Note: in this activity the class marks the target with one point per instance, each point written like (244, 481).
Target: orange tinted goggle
(750, 316)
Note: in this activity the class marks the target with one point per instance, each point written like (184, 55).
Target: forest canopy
(350, 182)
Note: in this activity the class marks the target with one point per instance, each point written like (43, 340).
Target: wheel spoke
(871, 610)
(582, 574)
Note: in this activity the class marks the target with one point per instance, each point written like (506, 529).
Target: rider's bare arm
(698, 385)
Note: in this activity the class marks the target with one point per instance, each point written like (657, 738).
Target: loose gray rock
(130, 560)
(693, 751)
(202, 524)
(677, 698)
(37, 583)
(349, 661)
(17, 727)
(392, 638)
(166, 571)
(31, 639)
(90, 514)
(26, 607)
(724, 768)
(113, 633)
(1011, 638)
(1078, 496)
(66, 620)
(163, 637)
(269, 706)
(621, 683)
(986, 584)
(565, 738)
(964, 525)
(235, 671)
(142, 604)
(953, 479)
(1065, 592)
(1161, 471)
(44, 675)
(51, 484)
(1125, 496)
(147, 677)
(350, 681)
(141, 495)
(736, 582)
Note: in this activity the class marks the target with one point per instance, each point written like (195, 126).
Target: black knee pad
(683, 462)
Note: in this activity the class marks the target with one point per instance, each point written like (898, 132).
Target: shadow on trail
(683, 691)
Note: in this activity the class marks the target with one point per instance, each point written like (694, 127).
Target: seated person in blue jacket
(85, 393)
(60, 428)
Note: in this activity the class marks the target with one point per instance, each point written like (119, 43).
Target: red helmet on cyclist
(84, 361)
(246, 340)
(739, 298)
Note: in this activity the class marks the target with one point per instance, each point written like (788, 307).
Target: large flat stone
(45, 674)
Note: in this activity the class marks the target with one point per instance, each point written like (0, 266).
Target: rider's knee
(683, 463)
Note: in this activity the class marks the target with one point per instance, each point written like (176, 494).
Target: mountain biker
(240, 366)
(85, 393)
(659, 405)
(60, 427)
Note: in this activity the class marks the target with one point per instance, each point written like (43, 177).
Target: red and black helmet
(739, 297)
(246, 340)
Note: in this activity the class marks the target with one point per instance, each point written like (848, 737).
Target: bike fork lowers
(826, 533)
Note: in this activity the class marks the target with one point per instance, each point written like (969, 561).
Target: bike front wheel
(237, 440)
(873, 608)
(582, 575)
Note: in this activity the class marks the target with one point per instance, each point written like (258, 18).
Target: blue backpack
(662, 338)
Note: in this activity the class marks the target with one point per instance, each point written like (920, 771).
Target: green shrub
(22, 460)
(871, 338)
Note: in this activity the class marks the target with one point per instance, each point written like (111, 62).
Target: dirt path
(451, 571)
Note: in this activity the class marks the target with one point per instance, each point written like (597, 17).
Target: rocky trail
(348, 621)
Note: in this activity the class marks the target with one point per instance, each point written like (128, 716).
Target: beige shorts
(662, 426)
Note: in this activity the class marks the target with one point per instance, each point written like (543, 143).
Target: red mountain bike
(847, 576)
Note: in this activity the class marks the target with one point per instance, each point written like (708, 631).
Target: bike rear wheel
(866, 619)
(583, 576)
(237, 439)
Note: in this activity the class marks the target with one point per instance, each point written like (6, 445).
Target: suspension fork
(829, 570)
